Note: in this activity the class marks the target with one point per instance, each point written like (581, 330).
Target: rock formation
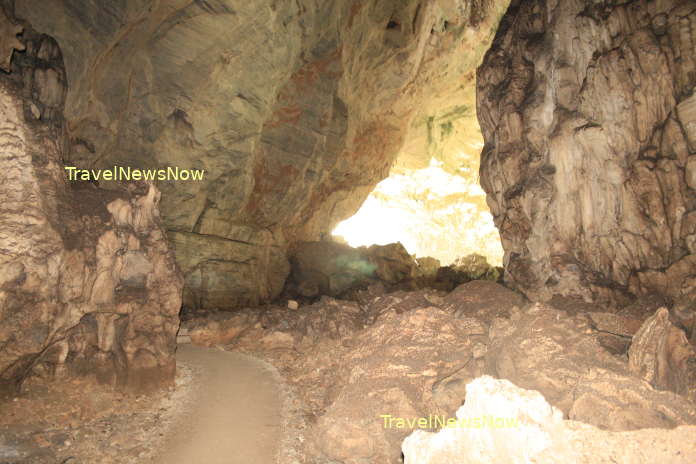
(587, 110)
(519, 426)
(410, 356)
(544, 349)
(10, 43)
(87, 281)
(295, 110)
(330, 268)
(662, 356)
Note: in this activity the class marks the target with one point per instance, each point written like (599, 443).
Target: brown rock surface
(543, 349)
(615, 324)
(87, 280)
(618, 401)
(661, 355)
(390, 370)
(10, 43)
(683, 313)
(483, 299)
(587, 113)
(294, 109)
(411, 354)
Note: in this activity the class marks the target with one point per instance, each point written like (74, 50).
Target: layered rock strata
(294, 109)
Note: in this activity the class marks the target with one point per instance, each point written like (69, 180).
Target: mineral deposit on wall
(87, 280)
(589, 116)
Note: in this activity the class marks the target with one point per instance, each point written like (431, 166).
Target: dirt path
(235, 413)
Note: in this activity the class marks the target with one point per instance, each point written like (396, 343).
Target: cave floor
(226, 408)
(75, 421)
(238, 408)
(314, 384)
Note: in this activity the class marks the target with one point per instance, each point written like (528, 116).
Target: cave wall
(295, 109)
(588, 113)
(88, 283)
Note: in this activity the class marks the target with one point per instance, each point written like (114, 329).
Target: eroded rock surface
(335, 269)
(587, 111)
(538, 434)
(295, 110)
(87, 280)
(544, 349)
(661, 355)
(365, 368)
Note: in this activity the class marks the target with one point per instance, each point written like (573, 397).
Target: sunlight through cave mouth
(431, 211)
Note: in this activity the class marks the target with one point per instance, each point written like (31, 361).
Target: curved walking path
(235, 415)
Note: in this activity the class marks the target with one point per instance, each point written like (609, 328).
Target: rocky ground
(356, 372)
(409, 355)
(82, 422)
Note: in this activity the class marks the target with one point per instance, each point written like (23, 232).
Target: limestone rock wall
(295, 109)
(87, 280)
(588, 114)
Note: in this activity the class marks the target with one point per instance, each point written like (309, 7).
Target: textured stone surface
(330, 268)
(683, 313)
(10, 43)
(545, 349)
(87, 281)
(483, 299)
(411, 355)
(616, 331)
(614, 400)
(587, 113)
(542, 435)
(295, 109)
(661, 355)
(392, 371)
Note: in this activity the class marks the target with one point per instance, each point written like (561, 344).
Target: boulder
(547, 350)
(392, 263)
(661, 355)
(483, 299)
(501, 422)
(335, 269)
(329, 268)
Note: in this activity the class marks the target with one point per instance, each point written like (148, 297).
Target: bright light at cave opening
(431, 212)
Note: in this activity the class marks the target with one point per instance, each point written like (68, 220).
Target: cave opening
(426, 225)
(437, 211)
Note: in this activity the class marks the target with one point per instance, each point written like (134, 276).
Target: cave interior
(347, 231)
